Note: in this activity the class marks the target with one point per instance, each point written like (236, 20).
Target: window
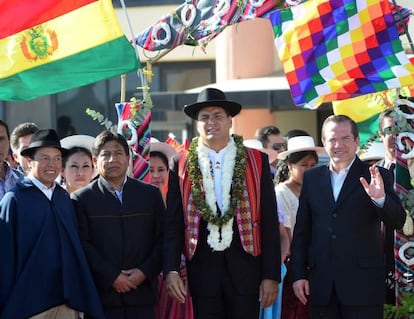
(70, 112)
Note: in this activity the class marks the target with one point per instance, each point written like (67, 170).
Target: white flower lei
(213, 238)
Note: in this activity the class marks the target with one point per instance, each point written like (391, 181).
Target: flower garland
(196, 178)
(220, 227)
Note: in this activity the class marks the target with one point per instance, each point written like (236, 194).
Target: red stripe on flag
(19, 15)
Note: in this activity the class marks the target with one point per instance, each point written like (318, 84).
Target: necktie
(392, 170)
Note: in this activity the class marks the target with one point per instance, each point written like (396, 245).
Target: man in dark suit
(337, 254)
(120, 221)
(387, 134)
(221, 208)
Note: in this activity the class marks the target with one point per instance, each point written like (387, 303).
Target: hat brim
(28, 152)
(164, 148)
(256, 144)
(79, 140)
(191, 110)
(284, 155)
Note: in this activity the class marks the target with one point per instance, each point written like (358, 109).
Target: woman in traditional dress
(167, 308)
(300, 156)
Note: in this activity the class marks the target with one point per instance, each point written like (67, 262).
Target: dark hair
(340, 119)
(74, 150)
(296, 132)
(293, 158)
(107, 136)
(21, 130)
(161, 155)
(263, 133)
(2, 123)
(382, 116)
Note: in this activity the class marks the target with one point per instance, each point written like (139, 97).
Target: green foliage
(408, 202)
(102, 120)
(405, 310)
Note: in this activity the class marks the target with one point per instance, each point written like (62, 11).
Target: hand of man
(268, 292)
(122, 284)
(135, 275)
(175, 286)
(301, 290)
(375, 189)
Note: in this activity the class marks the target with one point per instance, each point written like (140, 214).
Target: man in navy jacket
(43, 269)
(337, 255)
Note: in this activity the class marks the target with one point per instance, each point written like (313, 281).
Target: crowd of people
(222, 231)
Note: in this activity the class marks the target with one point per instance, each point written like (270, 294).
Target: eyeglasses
(343, 140)
(391, 130)
(279, 146)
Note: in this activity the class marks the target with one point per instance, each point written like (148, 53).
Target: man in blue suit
(43, 269)
(337, 254)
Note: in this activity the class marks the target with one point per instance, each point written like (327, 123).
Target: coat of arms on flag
(49, 46)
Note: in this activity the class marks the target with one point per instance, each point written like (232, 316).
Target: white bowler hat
(165, 148)
(376, 151)
(253, 143)
(300, 144)
(79, 140)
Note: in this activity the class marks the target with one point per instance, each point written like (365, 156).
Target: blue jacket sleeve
(7, 247)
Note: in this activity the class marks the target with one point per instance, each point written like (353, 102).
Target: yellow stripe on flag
(74, 32)
(360, 108)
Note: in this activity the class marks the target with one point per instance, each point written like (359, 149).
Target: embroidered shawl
(247, 212)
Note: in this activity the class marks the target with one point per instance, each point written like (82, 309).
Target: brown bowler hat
(211, 97)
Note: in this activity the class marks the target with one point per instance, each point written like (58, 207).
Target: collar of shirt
(117, 193)
(217, 160)
(11, 174)
(337, 179)
(11, 177)
(387, 163)
(346, 169)
(216, 157)
(45, 190)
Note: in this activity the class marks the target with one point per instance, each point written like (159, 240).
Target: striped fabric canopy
(198, 22)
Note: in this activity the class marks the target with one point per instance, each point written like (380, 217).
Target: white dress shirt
(216, 162)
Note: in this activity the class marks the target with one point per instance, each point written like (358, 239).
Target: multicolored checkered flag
(337, 49)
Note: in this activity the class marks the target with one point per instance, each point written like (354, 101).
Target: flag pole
(123, 87)
(410, 41)
(151, 60)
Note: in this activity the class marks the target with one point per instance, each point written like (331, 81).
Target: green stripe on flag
(99, 63)
(368, 128)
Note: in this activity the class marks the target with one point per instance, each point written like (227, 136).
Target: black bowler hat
(211, 97)
(43, 138)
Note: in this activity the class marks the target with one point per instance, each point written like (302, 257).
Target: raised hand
(375, 189)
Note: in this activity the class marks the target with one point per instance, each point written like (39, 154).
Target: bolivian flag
(49, 46)
(365, 111)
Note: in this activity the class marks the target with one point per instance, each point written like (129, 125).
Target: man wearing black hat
(221, 208)
(43, 269)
